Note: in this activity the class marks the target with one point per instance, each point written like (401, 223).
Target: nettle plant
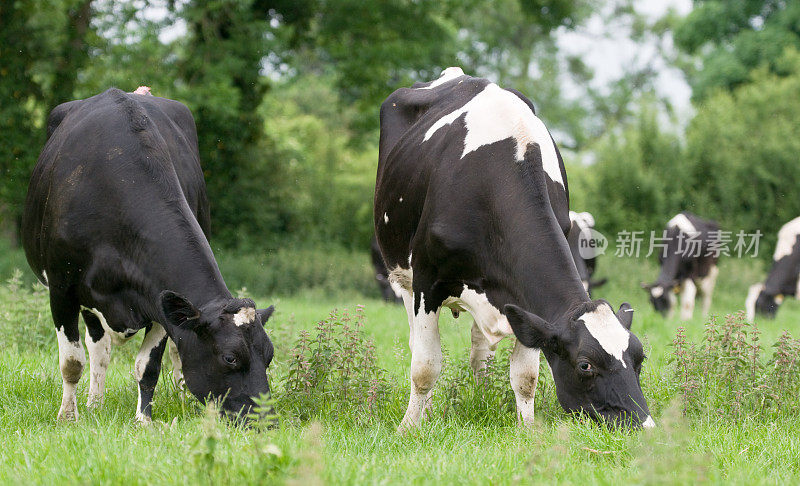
(726, 375)
(334, 371)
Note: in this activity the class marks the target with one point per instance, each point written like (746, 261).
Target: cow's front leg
(177, 367)
(98, 343)
(524, 373)
(147, 367)
(426, 363)
(688, 295)
(480, 351)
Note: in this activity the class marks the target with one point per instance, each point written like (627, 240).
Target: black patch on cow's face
(221, 359)
(662, 303)
(767, 305)
(588, 379)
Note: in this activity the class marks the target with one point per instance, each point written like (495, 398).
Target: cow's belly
(118, 337)
(492, 323)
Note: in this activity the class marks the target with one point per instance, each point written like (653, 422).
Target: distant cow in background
(688, 263)
(765, 298)
(579, 230)
(382, 274)
(115, 223)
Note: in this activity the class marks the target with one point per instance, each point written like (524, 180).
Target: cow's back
(431, 162)
(112, 162)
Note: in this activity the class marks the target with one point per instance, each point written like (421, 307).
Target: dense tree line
(285, 96)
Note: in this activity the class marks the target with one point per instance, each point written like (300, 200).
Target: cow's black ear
(531, 330)
(646, 286)
(178, 310)
(625, 315)
(264, 314)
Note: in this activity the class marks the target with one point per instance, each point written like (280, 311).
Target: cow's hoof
(67, 415)
(94, 401)
(143, 420)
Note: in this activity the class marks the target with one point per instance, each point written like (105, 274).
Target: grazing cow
(765, 298)
(688, 262)
(580, 228)
(471, 213)
(115, 224)
(382, 274)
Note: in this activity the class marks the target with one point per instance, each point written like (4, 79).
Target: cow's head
(594, 357)
(223, 348)
(760, 302)
(661, 296)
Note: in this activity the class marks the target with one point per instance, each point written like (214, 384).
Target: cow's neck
(539, 260)
(189, 267)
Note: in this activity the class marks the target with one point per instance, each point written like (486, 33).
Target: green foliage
(725, 375)
(335, 372)
(636, 181)
(742, 153)
(733, 37)
(25, 321)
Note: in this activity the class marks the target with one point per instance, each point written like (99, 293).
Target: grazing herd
(471, 213)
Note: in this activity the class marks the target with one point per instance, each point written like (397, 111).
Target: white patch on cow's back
(657, 291)
(787, 236)
(604, 326)
(246, 315)
(448, 74)
(385, 218)
(682, 223)
(495, 114)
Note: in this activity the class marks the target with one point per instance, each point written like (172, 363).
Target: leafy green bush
(334, 372)
(725, 375)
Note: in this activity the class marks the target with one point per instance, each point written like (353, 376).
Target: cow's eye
(231, 360)
(586, 367)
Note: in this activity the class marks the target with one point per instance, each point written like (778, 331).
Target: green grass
(463, 443)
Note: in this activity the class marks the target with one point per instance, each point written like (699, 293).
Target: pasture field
(338, 437)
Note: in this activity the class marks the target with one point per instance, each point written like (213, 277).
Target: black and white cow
(471, 213)
(765, 298)
(115, 224)
(688, 264)
(580, 228)
(388, 293)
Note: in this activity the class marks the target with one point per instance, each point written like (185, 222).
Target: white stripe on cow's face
(495, 114)
(448, 74)
(246, 315)
(683, 224)
(657, 291)
(787, 236)
(604, 326)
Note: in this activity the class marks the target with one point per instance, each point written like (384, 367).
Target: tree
(730, 38)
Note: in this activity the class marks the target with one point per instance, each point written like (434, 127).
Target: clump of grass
(486, 398)
(335, 371)
(726, 374)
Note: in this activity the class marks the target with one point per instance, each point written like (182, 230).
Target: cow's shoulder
(59, 113)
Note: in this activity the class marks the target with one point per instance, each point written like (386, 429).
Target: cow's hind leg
(177, 367)
(71, 357)
(147, 367)
(524, 373)
(707, 285)
(480, 351)
(98, 343)
(426, 363)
